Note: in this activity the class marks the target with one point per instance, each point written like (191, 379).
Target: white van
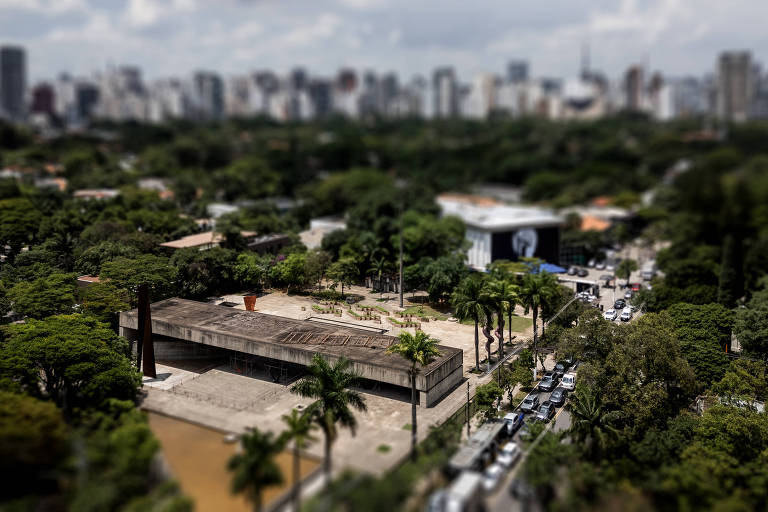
(569, 381)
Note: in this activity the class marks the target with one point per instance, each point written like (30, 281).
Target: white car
(509, 455)
(569, 381)
(492, 477)
(626, 315)
(610, 315)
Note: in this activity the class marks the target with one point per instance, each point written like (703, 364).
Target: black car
(558, 396)
(548, 383)
(560, 369)
(546, 411)
(530, 403)
(619, 304)
(582, 272)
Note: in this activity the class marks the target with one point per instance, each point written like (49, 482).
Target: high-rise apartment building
(43, 99)
(446, 93)
(634, 88)
(517, 71)
(13, 83)
(208, 95)
(735, 85)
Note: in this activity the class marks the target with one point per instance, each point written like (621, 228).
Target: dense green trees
(50, 295)
(73, 360)
(751, 326)
(33, 444)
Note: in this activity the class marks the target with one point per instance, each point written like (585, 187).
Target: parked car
(492, 477)
(628, 295)
(466, 493)
(530, 403)
(600, 265)
(569, 381)
(509, 455)
(610, 315)
(560, 369)
(635, 287)
(572, 270)
(437, 501)
(512, 421)
(619, 304)
(591, 263)
(548, 383)
(626, 315)
(582, 272)
(558, 396)
(546, 411)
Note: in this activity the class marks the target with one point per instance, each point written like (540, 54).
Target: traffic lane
(501, 500)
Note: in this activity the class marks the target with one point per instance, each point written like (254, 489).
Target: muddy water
(198, 458)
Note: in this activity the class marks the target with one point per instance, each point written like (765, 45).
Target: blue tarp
(549, 267)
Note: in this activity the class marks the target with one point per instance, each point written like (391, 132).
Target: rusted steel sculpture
(145, 348)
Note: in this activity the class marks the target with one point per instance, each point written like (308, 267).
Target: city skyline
(234, 36)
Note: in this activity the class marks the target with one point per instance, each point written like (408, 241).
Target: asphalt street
(501, 499)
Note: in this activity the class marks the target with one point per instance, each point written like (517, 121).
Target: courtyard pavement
(222, 399)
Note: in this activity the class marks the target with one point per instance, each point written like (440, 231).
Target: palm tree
(536, 291)
(501, 295)
(379, 268)
(468, 305)
(419, 349)
(299, 430)
(329, 385)
(589, 424)
(254, 466)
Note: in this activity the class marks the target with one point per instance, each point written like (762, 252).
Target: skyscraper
(209, 95)
(42, 99)
(446, 94)
(13, 82)
(634, 88)
(735, 85)
(517, 71)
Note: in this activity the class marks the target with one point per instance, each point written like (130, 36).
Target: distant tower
(13, 82)
(585, 73)
(735, 85)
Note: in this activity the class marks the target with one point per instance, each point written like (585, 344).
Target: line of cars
(627, 310)
(558, 382)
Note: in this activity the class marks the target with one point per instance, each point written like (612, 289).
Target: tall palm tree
(468, 305)
(536, 291)
(329, 384)
(254, 467)
(379, 268)
(487, 326)
(299, 429)
(589, 423)
(502, 295)
(419, 349)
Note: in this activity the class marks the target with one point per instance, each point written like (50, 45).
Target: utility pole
(467, 410)
(400, 287)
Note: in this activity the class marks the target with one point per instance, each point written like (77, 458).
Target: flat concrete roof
(205, 238)
(489, 215)
(280, 338)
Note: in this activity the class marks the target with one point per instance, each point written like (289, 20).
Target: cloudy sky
(174, 37)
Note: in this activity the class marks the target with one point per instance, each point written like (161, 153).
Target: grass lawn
(426, 311)
(519, 323)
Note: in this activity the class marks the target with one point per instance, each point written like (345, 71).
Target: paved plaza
(223, 399)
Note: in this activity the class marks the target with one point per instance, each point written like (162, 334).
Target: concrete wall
(442, 388)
